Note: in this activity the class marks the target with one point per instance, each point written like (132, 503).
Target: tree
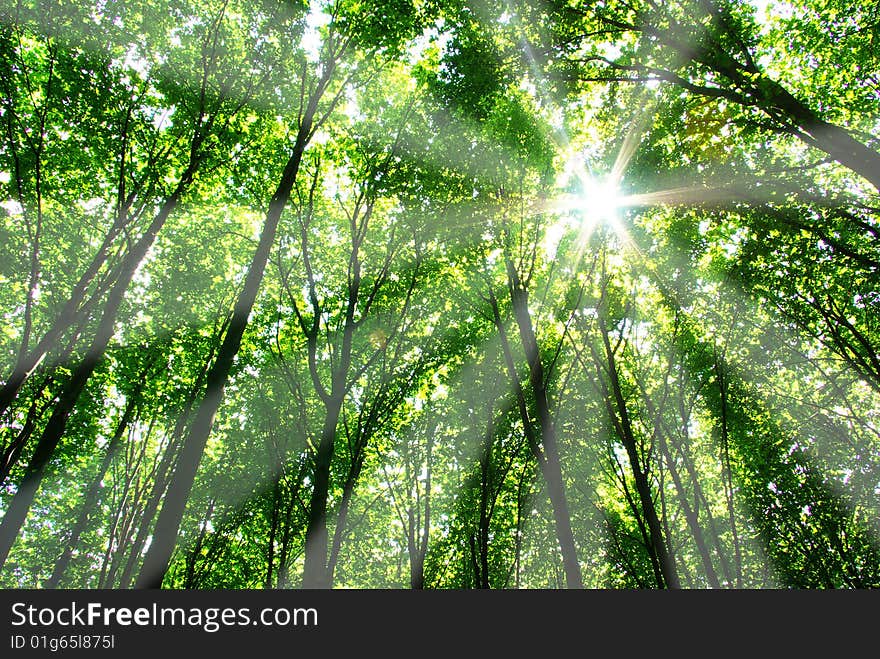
(420, 295)
(707, 48)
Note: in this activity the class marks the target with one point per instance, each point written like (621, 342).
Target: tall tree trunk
(643, 487)
(127, 511)
(90, 498)
(283, 572)
(727, 472)
(189, 575)
(160, 484)
(316, 572)
(351, 480)
(521, 502)
(168, 524)
(417, 564)
(341, 523)
(273, 530)
(54, 430)
(550, 464)
(484, 521)
(690, 514)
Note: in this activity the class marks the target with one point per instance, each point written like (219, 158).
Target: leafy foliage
(439, 295)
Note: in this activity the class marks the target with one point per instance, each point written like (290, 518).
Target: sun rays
(563, 195)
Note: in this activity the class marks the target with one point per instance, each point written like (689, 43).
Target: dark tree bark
(541, 439)
(690, 513)
(168, 524)
(617, 409)
(273, 530)
(54, 430)
(727, 471)
(316, 573)
(90, 497)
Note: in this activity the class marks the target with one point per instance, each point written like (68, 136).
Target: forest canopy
(449, 295)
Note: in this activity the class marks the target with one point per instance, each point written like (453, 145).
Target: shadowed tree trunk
(54, 430)
(90, 498)
(168, 524)
(617, 410)
(550, 465)
(540, 432)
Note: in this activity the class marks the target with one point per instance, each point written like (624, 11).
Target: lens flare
(600, 201)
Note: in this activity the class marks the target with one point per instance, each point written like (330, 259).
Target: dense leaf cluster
(335, 294)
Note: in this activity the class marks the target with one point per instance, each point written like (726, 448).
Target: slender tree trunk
(569, 557)
(727, 474)
(418, 526)
(168, 524)
(189, 576)
(550, 465)
(485, 475)
(417, 580)
(54, 430)
(90, 498)
(483, 527)
(341, 523)
(416, 564)
(127, 512)
(286, 500)
(643, 486)
(521, 500)
(315, 571)
(699, 493)
(283, 579)
(691, 513)
(691, 516)
(273, 530)
(160, 484)
(354, 473)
